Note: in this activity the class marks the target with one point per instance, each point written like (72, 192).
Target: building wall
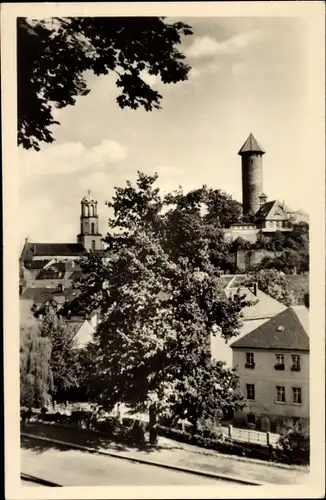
(222, 351)
(252, 185)
(86, 240)
(84, 335)
(58, 257)
(245, 260)
(266, 378)
(26, 316)
(248, 234)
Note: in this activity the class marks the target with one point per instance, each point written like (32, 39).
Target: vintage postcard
(164, 249)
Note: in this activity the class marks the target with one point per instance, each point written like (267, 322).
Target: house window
(250, 360)
(279, 365)
(93, 244)
(296, 363)
(92, 228)
(280, 394)
(296, 395)
(251, 391)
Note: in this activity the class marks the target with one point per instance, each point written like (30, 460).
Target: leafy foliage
(206, 395)
(63, 359)
(273, 283)
(292, 249)
(35, 372)
(53, 56)
(295, 445)
(160, 301)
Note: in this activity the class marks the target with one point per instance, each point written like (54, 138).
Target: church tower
(252, 183)
(89, 235)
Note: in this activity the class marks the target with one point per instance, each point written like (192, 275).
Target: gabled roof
(53, 249)
(272, 210)
(251, 146)
(287, 330)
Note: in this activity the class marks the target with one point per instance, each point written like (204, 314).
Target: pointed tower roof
(263, 195)
(251, 146)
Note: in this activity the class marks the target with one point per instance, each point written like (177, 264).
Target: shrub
(110, 425)
(294, 447)
(218, 444)
(80, 418)
(137, 433)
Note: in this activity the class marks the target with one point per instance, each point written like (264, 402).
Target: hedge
(226, 446)
(131, 431)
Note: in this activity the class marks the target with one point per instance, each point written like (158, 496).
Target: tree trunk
(152, 424)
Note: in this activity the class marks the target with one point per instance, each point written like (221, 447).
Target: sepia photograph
(166, 190)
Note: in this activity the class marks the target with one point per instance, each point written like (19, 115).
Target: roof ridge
(293, 334)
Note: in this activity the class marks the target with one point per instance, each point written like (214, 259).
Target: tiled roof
(40, 295)
(53, 249)
(287, 330)
(251, 146)
(265, 209)
(37, 264)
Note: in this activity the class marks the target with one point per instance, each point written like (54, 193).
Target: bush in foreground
(294, 447)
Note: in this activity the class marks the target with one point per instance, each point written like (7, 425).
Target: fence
(251, 436)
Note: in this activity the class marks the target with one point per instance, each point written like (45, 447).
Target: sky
(248, 75)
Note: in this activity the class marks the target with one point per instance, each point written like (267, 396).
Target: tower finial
(89, 191)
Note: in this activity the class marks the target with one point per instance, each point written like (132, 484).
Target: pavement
(176, 454)
(68, 467)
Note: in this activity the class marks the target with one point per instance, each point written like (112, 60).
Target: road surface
(79, 468)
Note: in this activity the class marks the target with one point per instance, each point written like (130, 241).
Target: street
(77, 468)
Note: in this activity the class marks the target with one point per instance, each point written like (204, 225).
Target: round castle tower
(252, 183)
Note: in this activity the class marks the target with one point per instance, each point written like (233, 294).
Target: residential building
(262, 308)
(272, 362)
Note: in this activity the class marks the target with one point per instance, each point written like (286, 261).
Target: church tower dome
(89, 236)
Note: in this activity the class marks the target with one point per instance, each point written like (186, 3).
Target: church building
(37, 256)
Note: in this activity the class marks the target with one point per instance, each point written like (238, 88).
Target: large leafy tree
(36, 382)
(189, 225)
(64, 356)
(159, 304)
(53, 56)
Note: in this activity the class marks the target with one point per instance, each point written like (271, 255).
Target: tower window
(93, 244)
(93, 228)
